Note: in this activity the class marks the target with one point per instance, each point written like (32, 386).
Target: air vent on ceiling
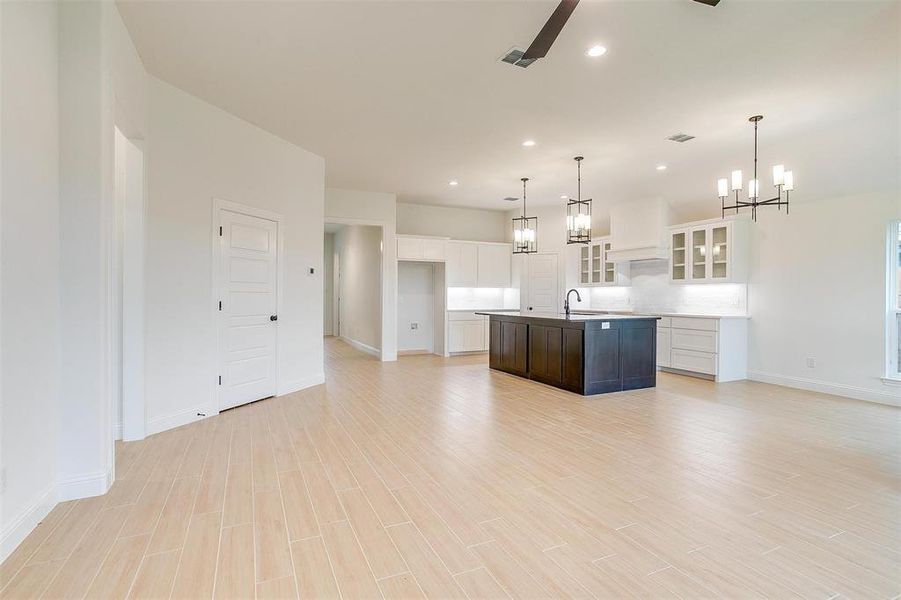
(514, 57)
(680, 137)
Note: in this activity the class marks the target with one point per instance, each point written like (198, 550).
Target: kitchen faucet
(566, 302)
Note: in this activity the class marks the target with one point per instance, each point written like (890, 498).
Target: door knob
(273, 317)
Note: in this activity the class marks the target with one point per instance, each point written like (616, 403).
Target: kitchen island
(583, 353)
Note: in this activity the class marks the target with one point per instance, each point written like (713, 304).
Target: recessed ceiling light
(596, 51)
(564, 197)
(452, 182)
(528, 143)
(661, 167)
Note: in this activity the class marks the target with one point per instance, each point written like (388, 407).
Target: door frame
(216, 241)
(388, 292)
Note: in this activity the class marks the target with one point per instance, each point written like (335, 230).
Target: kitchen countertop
(571, 317)
(665, 314)
(482, 310)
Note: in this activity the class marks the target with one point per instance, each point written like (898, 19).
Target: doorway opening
(352, 287)
(421, 303)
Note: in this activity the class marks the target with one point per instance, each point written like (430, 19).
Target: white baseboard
(182, 417)
(290, 387)
(19, 528)
(889, 397)
(84, 486)
(362, 347)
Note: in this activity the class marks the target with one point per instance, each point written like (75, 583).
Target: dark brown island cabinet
(586, 354)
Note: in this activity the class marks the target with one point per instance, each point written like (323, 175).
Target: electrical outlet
(414, 325)
(811, 363)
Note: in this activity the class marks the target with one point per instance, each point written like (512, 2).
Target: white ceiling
(405, 96)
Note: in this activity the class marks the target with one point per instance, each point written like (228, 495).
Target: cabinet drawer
(664, 322)
(693, 339)
(689, 360)
(695, 323)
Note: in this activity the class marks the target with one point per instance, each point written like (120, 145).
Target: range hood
(639, 231)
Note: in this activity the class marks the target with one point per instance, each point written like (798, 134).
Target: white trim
(117, 430)
(295, 386)
(892, 370)
(361, 346)
(890, 398)
(84, 486)
(19, 527)
(179, 418)
(218, 206)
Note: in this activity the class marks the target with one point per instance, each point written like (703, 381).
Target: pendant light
(578, 214)
(783, 180)
(525, 229)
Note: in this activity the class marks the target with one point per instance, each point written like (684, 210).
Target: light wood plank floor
(438, 478)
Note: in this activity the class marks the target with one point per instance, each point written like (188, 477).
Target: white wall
(359, 250)
(356, 207)
(328, 285)
(817, 290)
(200, 152)
(455, 223)
(415, 304)
(29, 278)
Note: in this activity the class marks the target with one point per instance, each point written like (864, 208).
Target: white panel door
(248, 279)
(543, 290)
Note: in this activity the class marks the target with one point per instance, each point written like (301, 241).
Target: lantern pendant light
(578, 214)
(783, 181)
(525, 229)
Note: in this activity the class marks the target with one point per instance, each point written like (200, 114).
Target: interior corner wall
(29, 266)
(373, 208)
(360, 265)
(469, 224)
(199, 153)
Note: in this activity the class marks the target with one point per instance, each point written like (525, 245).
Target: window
(893, 316)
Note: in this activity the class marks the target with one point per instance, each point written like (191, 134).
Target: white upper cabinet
(596, 266)
(462, 264)
(494, 265)
(425, 249)
(709, 252)
(478, 264)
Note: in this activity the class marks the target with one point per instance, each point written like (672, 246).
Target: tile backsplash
(652, 291)
(482, 298)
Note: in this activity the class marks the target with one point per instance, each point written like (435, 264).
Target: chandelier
(525, 229)
(578, 214)
(783, 180)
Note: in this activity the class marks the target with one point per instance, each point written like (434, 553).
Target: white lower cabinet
(467, 332)
(664, 345)
(712, 347)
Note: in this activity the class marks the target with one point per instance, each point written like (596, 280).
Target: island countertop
(574, 317)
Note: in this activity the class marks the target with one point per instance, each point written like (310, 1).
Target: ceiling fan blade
(709, 2)
(551, 30)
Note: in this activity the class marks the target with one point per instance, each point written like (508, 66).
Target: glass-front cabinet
(704, 252)
(595, 268)
(677, 259)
